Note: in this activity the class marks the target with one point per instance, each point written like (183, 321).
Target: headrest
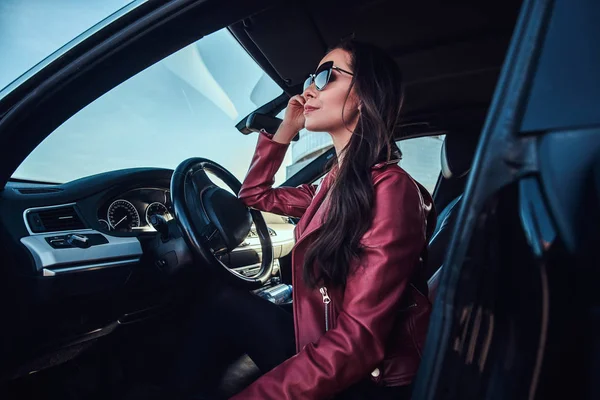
(457, 155)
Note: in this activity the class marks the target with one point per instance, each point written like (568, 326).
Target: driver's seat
(457, 157)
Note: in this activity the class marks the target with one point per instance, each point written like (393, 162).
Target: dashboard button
(58, 242)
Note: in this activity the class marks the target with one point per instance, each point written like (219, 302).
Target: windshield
(184, 106)
(31, 30)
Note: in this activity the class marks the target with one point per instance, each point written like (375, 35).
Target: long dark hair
(378, 83)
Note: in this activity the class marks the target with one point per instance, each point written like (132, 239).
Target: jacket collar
(384, 163)
(314, 215)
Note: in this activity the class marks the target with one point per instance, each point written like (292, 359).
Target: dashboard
(133, 210)
(82, 259)
(114, 212)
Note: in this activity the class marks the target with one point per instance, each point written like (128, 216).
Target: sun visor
(284, 33)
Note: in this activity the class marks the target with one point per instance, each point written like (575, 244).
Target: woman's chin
(313, 126)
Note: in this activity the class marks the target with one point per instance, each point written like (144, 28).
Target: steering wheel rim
(203, 223)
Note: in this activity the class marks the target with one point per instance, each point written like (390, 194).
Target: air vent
(54, 220)
(39, 190)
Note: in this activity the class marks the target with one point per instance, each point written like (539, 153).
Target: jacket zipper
(326, 301)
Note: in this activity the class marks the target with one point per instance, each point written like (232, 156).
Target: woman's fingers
(294, 115)
(298, 99)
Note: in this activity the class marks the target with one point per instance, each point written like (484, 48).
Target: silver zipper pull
(326, 301)
(326, 298)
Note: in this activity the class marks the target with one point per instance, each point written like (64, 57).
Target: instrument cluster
(133, 210)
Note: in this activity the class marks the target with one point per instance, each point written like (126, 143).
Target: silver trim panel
(284, 236)
(88, 267)
(46, 256)
(276, 267)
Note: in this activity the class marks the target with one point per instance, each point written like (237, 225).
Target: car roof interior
(450, 54)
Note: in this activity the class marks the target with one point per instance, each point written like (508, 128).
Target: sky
(30, 30)
(184, 106)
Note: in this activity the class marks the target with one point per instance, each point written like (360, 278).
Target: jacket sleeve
(257, 190)
(351, 350)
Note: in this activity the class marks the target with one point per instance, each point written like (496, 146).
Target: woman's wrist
(285, 133)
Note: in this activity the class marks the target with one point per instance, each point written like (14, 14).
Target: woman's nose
(310, 92)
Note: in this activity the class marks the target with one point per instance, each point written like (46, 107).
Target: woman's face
(323, 109)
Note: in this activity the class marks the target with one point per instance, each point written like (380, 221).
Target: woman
(359, 321)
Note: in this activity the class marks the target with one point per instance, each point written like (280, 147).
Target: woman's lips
(309, 109)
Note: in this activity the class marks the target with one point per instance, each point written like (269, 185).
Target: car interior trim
(117, 248)
(35, 209)
(88, 267)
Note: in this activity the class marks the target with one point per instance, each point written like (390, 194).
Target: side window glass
(422, 160)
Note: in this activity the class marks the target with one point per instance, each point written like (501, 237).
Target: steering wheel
(214, 221)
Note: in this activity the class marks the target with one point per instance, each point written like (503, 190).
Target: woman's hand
(293, 120)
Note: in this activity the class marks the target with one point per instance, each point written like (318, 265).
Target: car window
(421, 158)
(309, 146)
(31, 30)
(186, 105)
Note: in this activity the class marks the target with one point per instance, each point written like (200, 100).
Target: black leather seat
(457, 156)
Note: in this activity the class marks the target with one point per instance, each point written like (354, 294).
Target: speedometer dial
(123, 216)
(157, 209)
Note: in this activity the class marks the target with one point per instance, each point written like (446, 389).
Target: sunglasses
(323, 75)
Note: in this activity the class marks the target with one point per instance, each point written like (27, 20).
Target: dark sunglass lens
(322, 79)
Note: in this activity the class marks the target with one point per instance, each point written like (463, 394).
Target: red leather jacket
(377, 325)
